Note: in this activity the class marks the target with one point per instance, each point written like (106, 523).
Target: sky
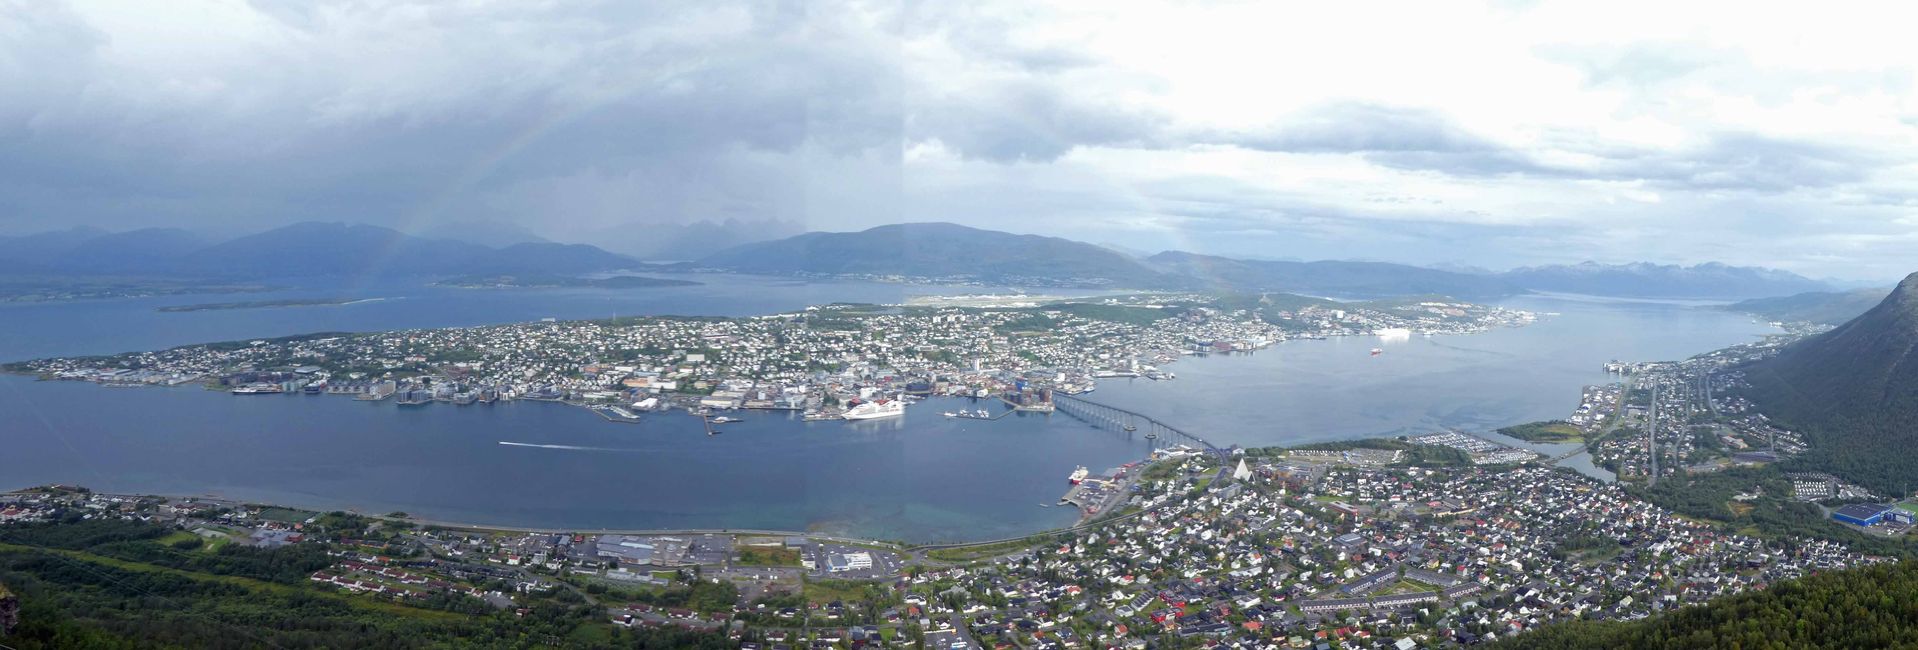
(1490, 134)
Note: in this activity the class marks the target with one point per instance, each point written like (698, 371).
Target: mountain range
(944, 250)
(687, 241)
(913, 250)
(301, 249)
(1853, 391)
(1708, 281)
(1822, 307)
(1330, 278)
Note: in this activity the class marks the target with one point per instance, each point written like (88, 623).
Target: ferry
(258, 389)
(882, 408)
(1078, 475)
(724, 420)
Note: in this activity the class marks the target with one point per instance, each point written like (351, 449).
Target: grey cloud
(1744, 161)
(1733, 161)
(1638, 64)
(1417, 139)
(1391, 136)
(1026, 120)
(336, 123)
(1361, 127)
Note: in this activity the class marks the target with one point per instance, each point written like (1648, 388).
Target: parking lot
(825, 557)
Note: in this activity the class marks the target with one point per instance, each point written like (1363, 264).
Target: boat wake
(565, 447)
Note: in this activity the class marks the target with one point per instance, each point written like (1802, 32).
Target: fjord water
(921, 478)
(35, 330)
(1335, 389)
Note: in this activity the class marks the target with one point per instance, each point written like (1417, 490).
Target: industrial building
(1862, 514)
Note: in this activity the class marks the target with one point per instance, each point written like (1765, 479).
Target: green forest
(1772, 514)
(113, 584)
(1852, 395)
(1871, 607)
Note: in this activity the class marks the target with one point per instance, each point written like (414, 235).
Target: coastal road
(639, 531)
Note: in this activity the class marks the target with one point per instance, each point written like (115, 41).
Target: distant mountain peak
(942, 250)
(485, 232)
(1711, 280)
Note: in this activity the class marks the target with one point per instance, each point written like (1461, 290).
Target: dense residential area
(818, 360)
(1252, 550)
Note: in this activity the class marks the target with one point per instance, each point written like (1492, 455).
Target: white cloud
(1487, 134)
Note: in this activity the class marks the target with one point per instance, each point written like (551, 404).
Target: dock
(962, 415)
(615, 414)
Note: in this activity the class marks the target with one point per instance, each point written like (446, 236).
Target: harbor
(888, 478)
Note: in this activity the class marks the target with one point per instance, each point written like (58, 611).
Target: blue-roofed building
(1861, 514)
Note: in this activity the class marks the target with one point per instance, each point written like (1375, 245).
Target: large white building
(849, 562)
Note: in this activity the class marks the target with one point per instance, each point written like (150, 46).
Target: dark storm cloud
(331, 120)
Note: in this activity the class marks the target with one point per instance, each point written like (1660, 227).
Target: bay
(79, 327)
(920, 478)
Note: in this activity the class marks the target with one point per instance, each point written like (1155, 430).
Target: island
(560, 282)
(37, 288)
(264, 304)
(849, 361)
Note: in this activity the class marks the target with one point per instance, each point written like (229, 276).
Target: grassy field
(361, 602)
(970, 553)
(826, 591)
(1406, 586)
(176, 537)
(1553, 431)
(286, 515)
(768, 556)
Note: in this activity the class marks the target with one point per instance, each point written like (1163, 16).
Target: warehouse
(1861, 514)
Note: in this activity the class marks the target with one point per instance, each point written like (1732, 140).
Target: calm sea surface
(922, 478)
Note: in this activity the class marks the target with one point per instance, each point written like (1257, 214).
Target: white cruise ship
(880, 408)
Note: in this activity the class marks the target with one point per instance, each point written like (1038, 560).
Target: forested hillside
(1854, 392)
(114, 584)
(1826, 307)
(1872, 607)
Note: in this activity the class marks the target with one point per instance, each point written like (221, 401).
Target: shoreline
(1083, 518)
